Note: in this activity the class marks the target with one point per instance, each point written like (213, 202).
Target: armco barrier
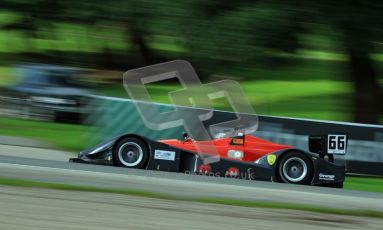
(113, 116)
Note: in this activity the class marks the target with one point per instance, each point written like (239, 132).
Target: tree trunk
(139, 44)
(367, 93)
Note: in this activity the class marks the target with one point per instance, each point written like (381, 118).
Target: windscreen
(230, 131)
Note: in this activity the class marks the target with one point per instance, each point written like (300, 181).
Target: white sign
(164, 155)
(336, 144)
(326, 177)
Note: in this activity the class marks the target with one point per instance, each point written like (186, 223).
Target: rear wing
(331, 144)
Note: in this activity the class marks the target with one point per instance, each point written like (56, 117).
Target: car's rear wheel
(295, 168)
(130, 152)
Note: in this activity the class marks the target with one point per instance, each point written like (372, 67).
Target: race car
(235, 155)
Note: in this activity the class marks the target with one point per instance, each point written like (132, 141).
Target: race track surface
(36, 209)
(52, 166)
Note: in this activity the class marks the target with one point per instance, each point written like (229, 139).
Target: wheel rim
(294, 169)
(130, 154)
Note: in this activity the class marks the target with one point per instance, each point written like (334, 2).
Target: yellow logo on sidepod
(271, 159)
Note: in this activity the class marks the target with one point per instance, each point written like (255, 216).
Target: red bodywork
(253, 148)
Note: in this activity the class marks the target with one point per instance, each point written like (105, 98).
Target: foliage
(212, 34)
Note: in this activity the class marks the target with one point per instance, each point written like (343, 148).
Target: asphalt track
(30, 209)
(26, 208)
(52, 166)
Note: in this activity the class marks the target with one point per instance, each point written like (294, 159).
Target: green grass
(62, 136)
(6, 76)
(233, 202)
(364, 184)
(316, 99)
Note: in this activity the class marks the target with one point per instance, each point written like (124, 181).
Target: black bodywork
(325, 173)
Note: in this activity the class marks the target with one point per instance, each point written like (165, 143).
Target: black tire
(130, 152)
(295, 168)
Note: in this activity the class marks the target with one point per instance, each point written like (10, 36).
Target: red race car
(238, 155)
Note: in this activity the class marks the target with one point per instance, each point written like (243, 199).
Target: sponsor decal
(326, 177)
(164, 155)
(235, 154)
(204, 169)
(232, 172)
(238, 141)
(271, 159)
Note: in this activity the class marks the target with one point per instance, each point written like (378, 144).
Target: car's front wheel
(295, 168)
(130, 152)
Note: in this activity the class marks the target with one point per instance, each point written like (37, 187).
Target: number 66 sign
(336, 144)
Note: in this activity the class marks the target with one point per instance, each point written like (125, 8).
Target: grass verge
(306, 99)
(315, 99)
(62, 136)
(234, 202)
(364, 184)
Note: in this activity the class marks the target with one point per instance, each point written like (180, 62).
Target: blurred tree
(220, 33)
(360, 23)
(30, 16)
(244, 31)
(133, 16)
